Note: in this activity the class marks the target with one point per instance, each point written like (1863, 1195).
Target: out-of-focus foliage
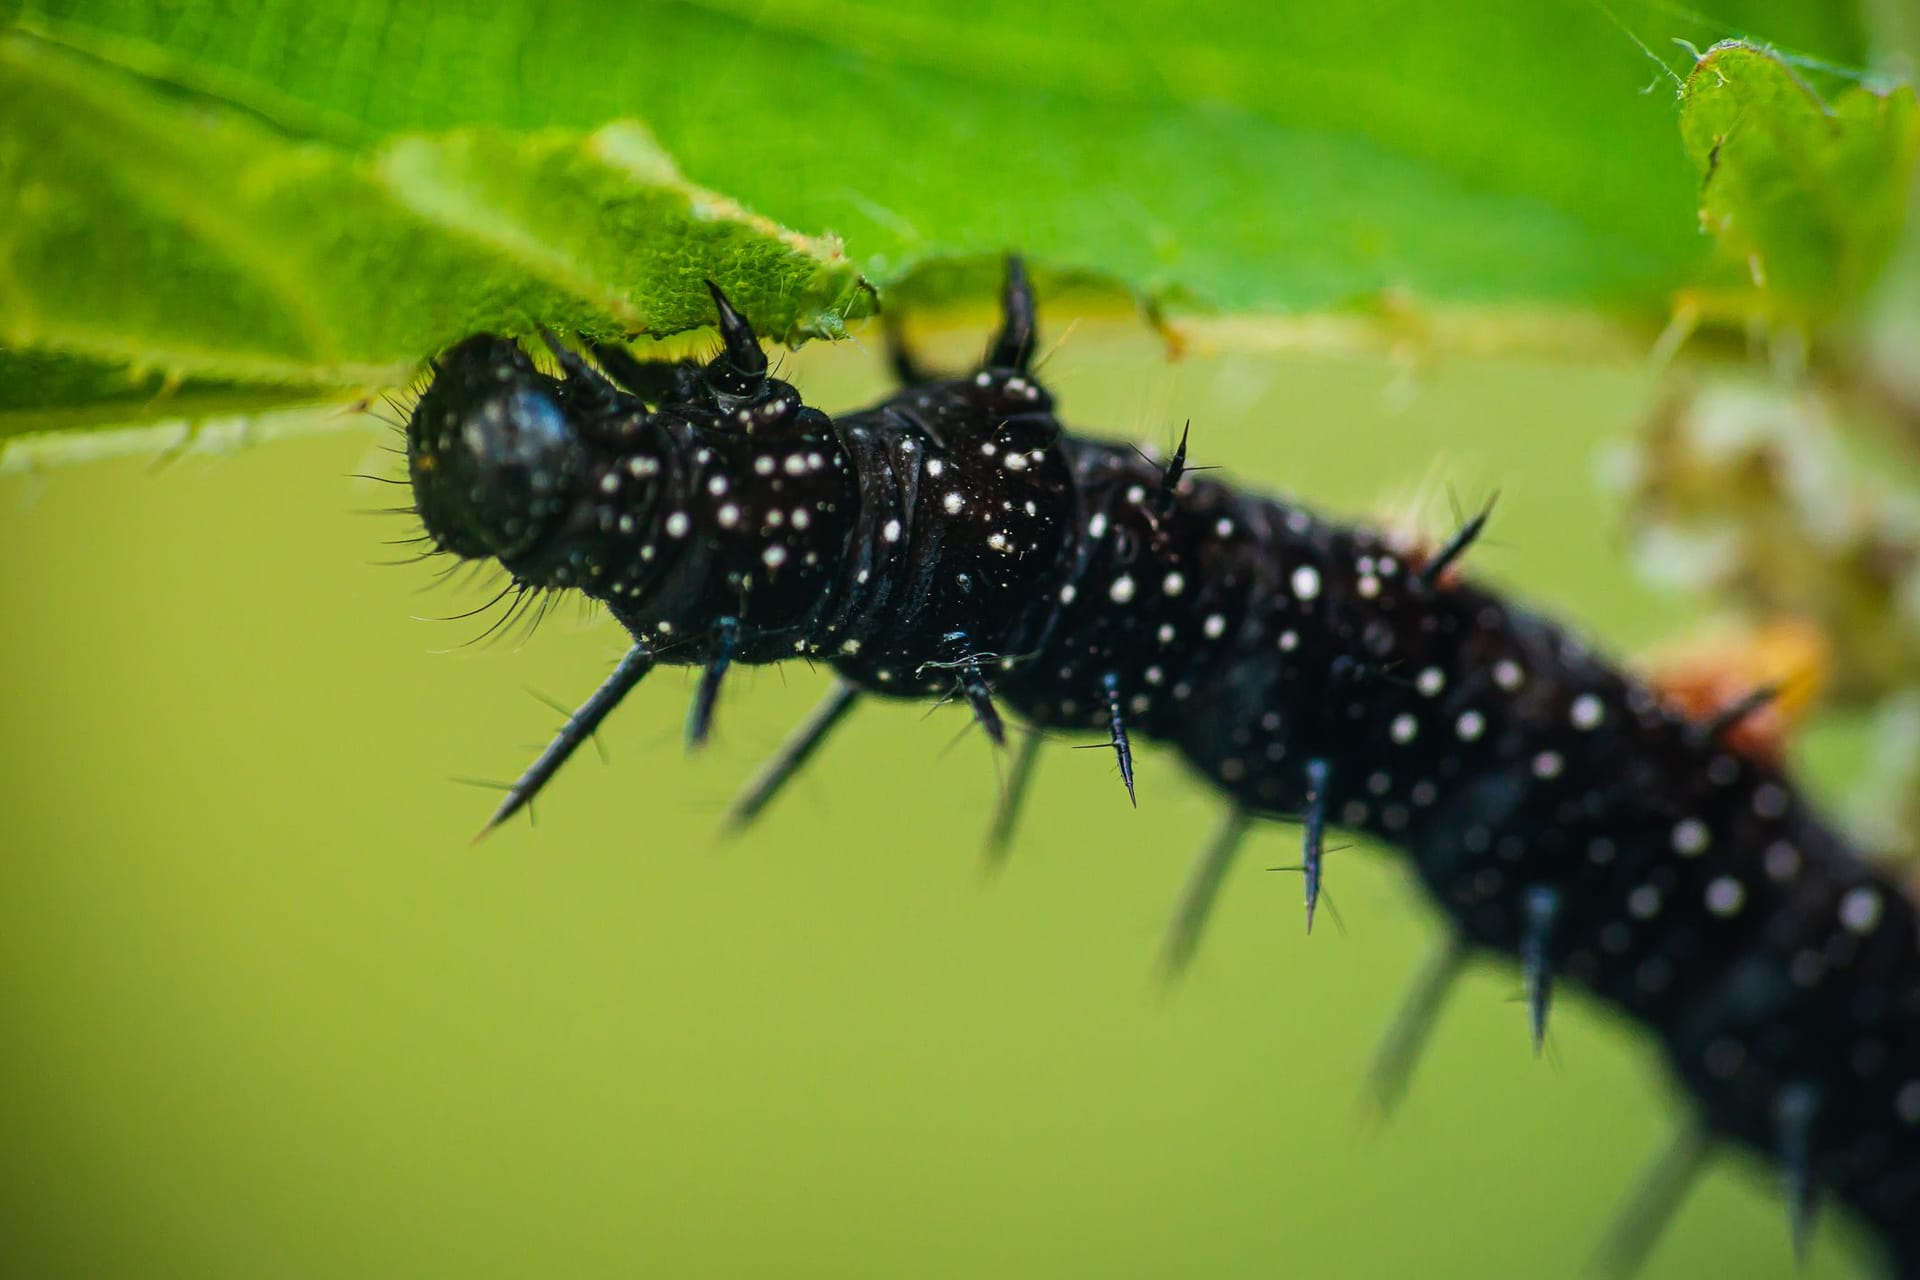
(154, 229)
(1805, 198)
(1740, 491)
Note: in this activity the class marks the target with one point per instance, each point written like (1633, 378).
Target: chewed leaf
(1805, 197)
(152, 239)
(608, 219)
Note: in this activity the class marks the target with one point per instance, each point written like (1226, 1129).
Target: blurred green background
(269, 1014)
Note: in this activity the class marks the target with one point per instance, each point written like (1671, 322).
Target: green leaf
(151, 238)
(1805, 198)
(288, 199)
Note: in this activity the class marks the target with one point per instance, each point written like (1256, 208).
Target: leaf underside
(202, 214)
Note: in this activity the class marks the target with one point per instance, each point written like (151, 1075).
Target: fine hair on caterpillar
(954, 541)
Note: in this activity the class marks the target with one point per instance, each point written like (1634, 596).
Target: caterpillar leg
(1410, 1029)
(1007, 812)
(794, 752)
(1201, 890)
(1652, 1205)
(578, 728)
(700, 716)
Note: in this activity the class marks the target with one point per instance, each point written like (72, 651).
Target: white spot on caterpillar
(953, 502)
(1725, 896)
(1122, 589)
(1097, 525)
(729, 515)
(1782, 861)
(1691, 837)
(775, 556)
(1547, 764)
(1289, 640)
(1306, 582)
(1860, 909)
(1068, 592)
(717, 485)
(1470, 725)
(1174, 583)
(1404, 727)
(891, 531)
(1507, 674)
(1165, 633)
(764, 465)
(1587, 712)
(1215, 626)
(1644, 902)
(1431, 682)
(935, 466)
(677, 525)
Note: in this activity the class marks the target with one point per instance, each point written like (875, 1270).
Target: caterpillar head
(492, 454)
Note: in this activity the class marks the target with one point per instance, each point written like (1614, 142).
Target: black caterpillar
(955, 541)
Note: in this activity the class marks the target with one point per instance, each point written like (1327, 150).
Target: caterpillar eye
(490, 451)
